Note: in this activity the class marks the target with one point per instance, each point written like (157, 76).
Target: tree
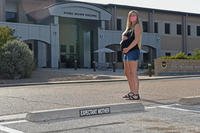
(6, 34)
(16, 60)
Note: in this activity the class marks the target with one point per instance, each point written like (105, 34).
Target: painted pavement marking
(9, 130)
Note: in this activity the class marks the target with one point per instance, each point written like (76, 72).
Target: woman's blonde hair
(130, 25)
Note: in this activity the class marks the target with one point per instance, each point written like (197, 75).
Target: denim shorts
(132, 55)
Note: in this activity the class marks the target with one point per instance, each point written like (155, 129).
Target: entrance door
(150, 55)
(86, 45)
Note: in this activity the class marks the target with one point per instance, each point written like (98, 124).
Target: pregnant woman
(130, 45)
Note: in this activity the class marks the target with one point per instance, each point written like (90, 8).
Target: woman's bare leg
(133, 76)
(127, 71)
(128, 76)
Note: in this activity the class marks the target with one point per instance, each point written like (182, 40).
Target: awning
(104, 50)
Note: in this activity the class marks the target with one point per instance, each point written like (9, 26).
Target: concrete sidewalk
(45, 76)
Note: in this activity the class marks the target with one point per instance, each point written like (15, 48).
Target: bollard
(114, 66)
(59, 64)
(150, 70)
(94, 66)
(75, 64)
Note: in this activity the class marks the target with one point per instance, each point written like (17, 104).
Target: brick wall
(176, 66)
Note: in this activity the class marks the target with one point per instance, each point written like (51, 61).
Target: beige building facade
(60, 32)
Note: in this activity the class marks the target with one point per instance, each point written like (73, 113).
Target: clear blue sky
(191, 6)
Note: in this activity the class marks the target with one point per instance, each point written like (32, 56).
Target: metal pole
(75, 64)
(150, 70)
(114, 67)
(94, 66)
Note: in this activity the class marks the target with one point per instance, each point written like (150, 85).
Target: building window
(11, 17)
(71, 49)
(198, 30)
(155, 27)
(167, 54)
(145, 26)
(167, 28)
(119, 24)
(63, 53)
(178, 29)
(63, 48)
(107, 25)
(189, 30)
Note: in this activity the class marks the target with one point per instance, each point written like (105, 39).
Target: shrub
(179, 55)
(6, 34)
(196, 55)
(16, 60)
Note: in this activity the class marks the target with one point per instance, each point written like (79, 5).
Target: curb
(93, 81)
(61, 82)
(80, 112)
(195, 100)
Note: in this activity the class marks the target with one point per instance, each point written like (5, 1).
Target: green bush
(196, 55)
(6, 34)
(179, 55)
(16, 60)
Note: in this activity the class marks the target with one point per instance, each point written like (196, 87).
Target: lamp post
(75, 65)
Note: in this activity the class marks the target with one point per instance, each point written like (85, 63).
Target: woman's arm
(137, 32)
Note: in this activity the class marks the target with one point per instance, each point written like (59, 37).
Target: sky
(189, 6)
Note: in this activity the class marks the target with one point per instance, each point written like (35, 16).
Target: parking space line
(9, 130)
(153, 107)
(170, 106)
(180, 109)
(13, 122)
(14, 117)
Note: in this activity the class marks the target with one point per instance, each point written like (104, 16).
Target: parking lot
(163, 113)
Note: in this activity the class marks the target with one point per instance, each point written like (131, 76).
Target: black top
(130, 34)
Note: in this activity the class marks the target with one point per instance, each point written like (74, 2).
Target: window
(71, 49)
(167, 28)
(63, 53)
(30, 46)
(63, 48)
(155, 27)
(145, 26)
(189, 30)
(167, 54)
(178, 29)
(198, 30)
(119, 24)
(107, 25)
(11, 17)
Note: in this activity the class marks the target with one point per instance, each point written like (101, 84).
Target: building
(62, 31)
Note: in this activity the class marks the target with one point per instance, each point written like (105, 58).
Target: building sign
(79, 10)
(80, 15)
(94, 111)
(75, 12)
(164, 64)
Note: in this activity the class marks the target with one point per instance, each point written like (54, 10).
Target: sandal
(127, 95)
(132, 96)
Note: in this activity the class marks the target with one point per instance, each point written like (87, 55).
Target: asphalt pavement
(171, 118)
(164, 111)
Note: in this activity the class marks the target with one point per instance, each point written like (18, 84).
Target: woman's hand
(124, 37)
(125, 50)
